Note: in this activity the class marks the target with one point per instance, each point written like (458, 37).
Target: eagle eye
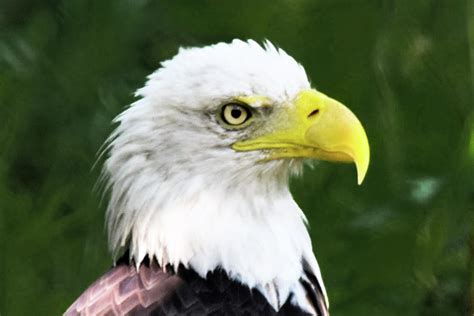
(234, 114)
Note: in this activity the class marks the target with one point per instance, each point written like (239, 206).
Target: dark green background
(398, 245)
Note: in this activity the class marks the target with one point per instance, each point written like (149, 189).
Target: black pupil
(236, 113)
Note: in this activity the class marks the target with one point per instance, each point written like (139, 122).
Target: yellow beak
(314, 126)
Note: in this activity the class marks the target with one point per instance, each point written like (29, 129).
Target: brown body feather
(151, 291)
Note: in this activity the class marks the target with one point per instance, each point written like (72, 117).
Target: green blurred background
(401, 244)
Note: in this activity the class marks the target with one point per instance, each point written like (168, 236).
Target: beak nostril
(314, 113)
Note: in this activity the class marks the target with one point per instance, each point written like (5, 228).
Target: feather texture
(152, 291)
(180, 195)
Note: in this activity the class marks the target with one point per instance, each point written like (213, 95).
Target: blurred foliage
(398, 245)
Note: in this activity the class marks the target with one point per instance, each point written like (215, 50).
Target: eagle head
(198, 167)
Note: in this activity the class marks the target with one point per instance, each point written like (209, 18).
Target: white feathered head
(198, 167)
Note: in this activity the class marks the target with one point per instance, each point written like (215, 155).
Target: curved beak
(314, 126)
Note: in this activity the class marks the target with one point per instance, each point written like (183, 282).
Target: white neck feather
(205, 215)
(179, 192)
(257, 237)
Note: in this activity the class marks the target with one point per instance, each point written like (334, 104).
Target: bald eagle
(200, 219)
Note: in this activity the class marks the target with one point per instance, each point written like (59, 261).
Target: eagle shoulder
(124, 290)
